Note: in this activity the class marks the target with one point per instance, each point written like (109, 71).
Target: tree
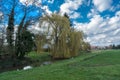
(15, 40)
(66, 15)
(39, 42)
(24, 39)
(86, 46)
(2, 33)
(2, 38)
(25, 44)
(60, 29)
(113, 46)
(118, 46)
(65, 41)
(10, 31)
(75, 42)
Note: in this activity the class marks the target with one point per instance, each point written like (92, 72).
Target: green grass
(38, 58)
(99, 65)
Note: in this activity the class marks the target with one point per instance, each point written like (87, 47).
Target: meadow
(97, 65)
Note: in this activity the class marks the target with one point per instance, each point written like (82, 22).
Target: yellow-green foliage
(75, 42)
(66, 42)
(86, 46)
(39, 41)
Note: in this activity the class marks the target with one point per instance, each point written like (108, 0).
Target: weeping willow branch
(65, 42)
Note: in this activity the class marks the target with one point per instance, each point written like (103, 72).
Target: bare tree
(2, 32)
(10, 31)
(2, 37)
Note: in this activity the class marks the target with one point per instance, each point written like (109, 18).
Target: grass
(38, 58)
(33, 59)
(99, 65)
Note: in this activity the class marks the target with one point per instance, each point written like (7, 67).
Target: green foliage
(24, 39)
(115, 46)
(38, 58)
(86, 46)
(25, 44)
(27, 41)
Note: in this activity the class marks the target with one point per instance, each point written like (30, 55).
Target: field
(98, 65)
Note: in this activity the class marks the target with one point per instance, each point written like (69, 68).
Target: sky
(98, 19)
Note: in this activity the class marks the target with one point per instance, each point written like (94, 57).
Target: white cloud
(70, 6)
(1, 16)
(75, 15)
(35, 28)
(41, 28)
(116, 32)
(30, 2)
(102, 5)
(101, 31)
(118, 13)
(114, 8)
(46, 9)
(1, 13)
(115, 21)
(50, 1)
(88, 3)
(92, 13)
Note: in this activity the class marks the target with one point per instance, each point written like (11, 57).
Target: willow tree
(65, 41)
(60, 30)
(86, 46)
(39, 42)
(75, 42)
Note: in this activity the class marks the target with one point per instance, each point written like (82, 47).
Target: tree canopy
(65, 42)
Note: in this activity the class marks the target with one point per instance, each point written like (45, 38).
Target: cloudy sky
(98, 19)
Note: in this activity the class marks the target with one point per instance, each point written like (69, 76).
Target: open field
(98, 65)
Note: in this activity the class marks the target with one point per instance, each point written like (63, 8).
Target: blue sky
(98, 19)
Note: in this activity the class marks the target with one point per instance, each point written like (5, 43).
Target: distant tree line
(116, 46)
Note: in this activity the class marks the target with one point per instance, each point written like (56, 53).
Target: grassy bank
(99, 65)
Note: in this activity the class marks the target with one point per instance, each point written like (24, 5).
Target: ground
(98, 65)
